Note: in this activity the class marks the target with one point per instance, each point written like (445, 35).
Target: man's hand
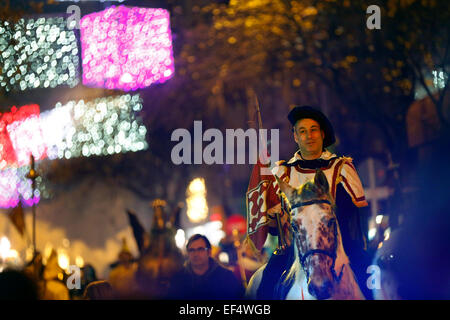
(284, 218)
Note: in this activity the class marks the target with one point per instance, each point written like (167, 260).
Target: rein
(307, 203)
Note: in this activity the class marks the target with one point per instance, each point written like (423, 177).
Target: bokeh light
(37, 53)
(197, 207)
(126, 48)
(21, 136)
(104, 126)
(14, 186)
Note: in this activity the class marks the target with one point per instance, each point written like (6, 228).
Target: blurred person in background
(202, 277)
(53, 285)
(17, 285)
(122, 276)
(99, 290)
(48, 278)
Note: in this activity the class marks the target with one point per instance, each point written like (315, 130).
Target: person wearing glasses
(202, 277)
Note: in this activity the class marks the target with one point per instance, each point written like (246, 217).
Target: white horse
(321, 268)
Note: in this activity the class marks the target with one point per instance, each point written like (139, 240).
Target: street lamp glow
(63, 259)
(79, 261)
(197, 207)
(372, 233)
(5, 246)
(180, 238)
(379, 218)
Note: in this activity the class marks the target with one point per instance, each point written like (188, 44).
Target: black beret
(307, 112)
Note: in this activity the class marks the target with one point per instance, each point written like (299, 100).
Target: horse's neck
(347, 288)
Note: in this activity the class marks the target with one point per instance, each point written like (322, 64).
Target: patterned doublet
(297, 172)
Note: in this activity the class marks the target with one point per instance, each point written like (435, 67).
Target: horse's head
(316, 233)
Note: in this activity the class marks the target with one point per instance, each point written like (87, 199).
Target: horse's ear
(285, 188)
(321, 181)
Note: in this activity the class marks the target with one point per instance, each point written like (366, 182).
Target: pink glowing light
(126, 48)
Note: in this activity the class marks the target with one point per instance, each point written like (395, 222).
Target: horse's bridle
(311, 252)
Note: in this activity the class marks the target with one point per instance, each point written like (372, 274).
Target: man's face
(198, 253)
(309, 137)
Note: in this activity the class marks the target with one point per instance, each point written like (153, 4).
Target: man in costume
(313, 133)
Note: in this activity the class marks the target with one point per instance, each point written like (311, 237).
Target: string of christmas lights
(20, 136)
(126, 48)
(14, 186)
(37, 53)
(103, 126)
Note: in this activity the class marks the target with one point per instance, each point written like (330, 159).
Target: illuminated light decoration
(104, 126)
(197, 208)
(37, 53)
(236, 222)
(63, 259)
(17, 137)
(379, 218)
(439, 79)
(180, 239)
(8, 257)
(26, 137)
(5, 246)
(126, 48)
(79, 261)
(372, 233)
(47, 252)
(56, 125)
(7, 154)
(224, 257)
(29, 253)
(387, 234)
(15, 187)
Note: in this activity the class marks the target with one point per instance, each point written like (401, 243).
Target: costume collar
(326, 155)
(320, 162)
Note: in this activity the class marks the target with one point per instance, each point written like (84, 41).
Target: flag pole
(281, 241)
(32, 174)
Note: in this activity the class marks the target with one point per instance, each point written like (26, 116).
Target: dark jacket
(218, 283)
